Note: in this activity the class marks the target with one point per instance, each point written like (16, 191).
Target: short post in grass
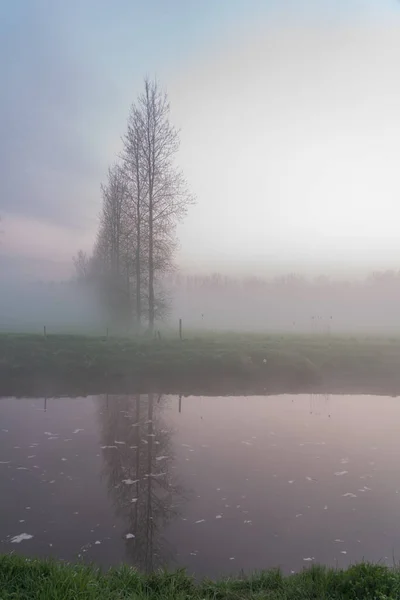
(107, 333)
(180, 329)
(44, 331)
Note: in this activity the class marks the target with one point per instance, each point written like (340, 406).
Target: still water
(212, 484)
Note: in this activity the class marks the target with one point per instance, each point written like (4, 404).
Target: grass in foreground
(32, 579)
(227, 363)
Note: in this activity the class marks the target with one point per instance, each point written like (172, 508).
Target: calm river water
(212, 484)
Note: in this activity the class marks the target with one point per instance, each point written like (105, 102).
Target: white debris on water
(5, 462)
(291, 481)
(326, 507)
(51, 434)
(63, 459)
(105, 447)
(21, 521)
(340, 473)
(32, 456)
(338, 541)
(129, 536)
(200, 521)
(349, 495)
(218, 517)
(53, 437)
(130, 481)
(247, 443)
(232, 558)
(248, 522)
(121, 443)
(309, 559)
(299, 515)
(343, 552)
(161, 457)
(20, 538)
(22, 469)
(134, 500)
(78, 430)
(97, 542)
(344, 461)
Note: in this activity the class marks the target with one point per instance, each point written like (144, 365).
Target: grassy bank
(43, 580)
(219, 363)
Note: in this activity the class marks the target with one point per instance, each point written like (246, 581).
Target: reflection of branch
(130, 454)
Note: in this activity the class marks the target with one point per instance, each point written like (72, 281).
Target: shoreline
(31, 578)
(212, 365)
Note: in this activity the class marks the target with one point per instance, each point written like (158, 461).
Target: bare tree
(144, 198)
(167, 194)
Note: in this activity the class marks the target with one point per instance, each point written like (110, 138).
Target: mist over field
(289, 304)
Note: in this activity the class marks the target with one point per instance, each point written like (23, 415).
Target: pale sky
(289, 114)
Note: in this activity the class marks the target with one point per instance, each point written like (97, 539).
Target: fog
(289, 140)
(291, 304)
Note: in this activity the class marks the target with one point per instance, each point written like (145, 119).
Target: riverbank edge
(224, 364)
(43, 579)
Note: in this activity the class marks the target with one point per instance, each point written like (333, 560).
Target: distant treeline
(290, 302)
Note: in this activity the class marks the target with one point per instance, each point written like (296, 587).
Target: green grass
(209, 363)
(29, 579)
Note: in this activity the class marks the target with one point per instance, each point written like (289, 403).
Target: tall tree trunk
(151, 269)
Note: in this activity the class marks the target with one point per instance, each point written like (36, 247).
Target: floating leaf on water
(20, 538)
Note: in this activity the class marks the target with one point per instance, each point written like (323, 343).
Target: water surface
(212, 484)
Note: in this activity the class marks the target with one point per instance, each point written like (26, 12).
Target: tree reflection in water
(138, 456)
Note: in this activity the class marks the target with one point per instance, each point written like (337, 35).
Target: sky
(289, 117)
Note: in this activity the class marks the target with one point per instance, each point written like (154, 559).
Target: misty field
(226, 363)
